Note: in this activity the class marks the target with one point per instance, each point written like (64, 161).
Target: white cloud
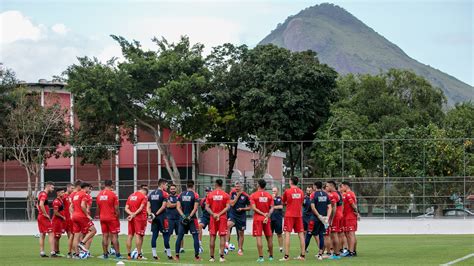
(209, 31)
(60, 28)
(35, 51)
(14, 26)
(110, 51)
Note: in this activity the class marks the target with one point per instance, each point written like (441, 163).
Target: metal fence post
(302, 161)
(383, 173)
(342, 158)
(424, 175)
(464, 173)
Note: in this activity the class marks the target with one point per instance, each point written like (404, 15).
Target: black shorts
(173, 226)
(160, 224)
(306, 222)
(239, 223)
(191, 227)
(316, 227)
(204, 220)
(277, 226)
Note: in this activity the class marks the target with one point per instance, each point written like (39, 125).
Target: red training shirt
(77, 199)
(134, 202)
(263, 201)
(217, 200)
(58, 206)
(293, 198)
(349, 198)
(107, 200)
(43, 196)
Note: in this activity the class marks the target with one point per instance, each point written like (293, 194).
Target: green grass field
(372, 250)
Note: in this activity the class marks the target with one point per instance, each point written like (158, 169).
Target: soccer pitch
(372, 250)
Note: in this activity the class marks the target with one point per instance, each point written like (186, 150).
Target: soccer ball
(112, 251)
(134, 254)
(231, 247)
(83, 255)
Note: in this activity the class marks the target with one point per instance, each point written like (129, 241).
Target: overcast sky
(39, 40)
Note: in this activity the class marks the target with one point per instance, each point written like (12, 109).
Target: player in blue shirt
(277, 217)
(240, 204)
(320, 207)
(157, 202)
(172, 214)
(307, 213)
(205, 217)
(187, 207)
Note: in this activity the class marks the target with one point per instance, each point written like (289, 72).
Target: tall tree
(287, 97)
(156, 90)
(98, 134)
(8, 82)
(224, 98)
(32, 134)
(372, 107)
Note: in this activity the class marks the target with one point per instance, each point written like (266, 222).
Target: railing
(391, 177)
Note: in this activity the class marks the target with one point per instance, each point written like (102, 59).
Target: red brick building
(138, 163)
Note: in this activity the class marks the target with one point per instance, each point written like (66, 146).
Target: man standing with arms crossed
(136, 208)
(157, 202)
(108, 212)
(172, 213)
(293, 199)
(240, 204)
(44, 220)
(277, 217)
(262, 205)
(351, 215)
(217, 204)
(187, 207)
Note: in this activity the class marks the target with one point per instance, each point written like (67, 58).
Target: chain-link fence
(416, 178)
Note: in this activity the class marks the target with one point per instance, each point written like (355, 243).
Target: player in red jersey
(351, 215)
(44, 220)
(262, 205)
(67, 214)
(335, 219)
(83, 227)
(136, 208)
(76, 188)
(108, 212)
(293, 198)
(59, 219)
(217, 204)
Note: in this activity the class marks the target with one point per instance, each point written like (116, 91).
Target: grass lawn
(372, 250)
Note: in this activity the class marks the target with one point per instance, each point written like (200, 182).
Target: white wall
(366, 227)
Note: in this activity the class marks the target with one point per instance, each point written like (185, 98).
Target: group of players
(326, 212)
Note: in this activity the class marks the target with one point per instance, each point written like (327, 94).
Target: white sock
(41, 252)
(153, 251)
(200, 243)
(168, 252)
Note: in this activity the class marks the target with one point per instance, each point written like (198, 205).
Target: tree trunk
(99, 176)
(232, 148)
(35, 173)
(170, 164)
(30, 199)
(264, 156)
(370, 210)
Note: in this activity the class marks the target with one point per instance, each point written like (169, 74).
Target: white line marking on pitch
(458, 260)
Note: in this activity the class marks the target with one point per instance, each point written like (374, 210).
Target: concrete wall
(366, 227)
